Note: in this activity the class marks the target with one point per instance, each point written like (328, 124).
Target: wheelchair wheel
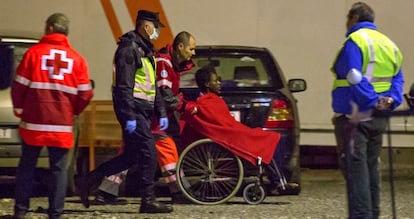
(209, 174)
(254, 193)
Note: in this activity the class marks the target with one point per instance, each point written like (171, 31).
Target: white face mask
(155, 34)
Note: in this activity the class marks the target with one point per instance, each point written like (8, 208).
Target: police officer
(369, 80)
(136, 101)
(172, 61)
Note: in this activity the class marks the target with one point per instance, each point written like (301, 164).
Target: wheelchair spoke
(213, 173)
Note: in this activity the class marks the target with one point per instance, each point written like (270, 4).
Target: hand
(180, 96)
(181, 102)
(195, 110)
(354, 117)
(191, 107)
(18, 112)
(130, 126)
(384, 103)
(163, 123)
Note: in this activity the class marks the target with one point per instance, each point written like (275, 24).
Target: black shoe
(153, 207)
(84, 192)
(286, 189)
(102, 199)
(179, 198)
(58, 217)
(19, 215)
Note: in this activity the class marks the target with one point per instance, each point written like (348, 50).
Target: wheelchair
(209, 174)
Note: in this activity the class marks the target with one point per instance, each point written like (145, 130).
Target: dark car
(257, 94)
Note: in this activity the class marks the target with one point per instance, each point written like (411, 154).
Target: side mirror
(6, 66)
(296, 85)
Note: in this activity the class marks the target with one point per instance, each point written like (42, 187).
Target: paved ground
(322, 197)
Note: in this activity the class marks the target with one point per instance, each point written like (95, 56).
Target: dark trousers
(112, 184)
(359, 148)
(139, 149)
(57, 183)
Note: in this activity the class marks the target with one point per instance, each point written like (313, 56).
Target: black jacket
(131, 48)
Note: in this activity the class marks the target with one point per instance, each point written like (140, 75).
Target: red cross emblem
(57, 64)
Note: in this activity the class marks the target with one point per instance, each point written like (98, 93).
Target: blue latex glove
(163, 123)
(131, 125)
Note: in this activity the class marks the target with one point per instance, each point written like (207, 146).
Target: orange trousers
(167, 158)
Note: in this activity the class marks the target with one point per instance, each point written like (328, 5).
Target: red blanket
(213, 120)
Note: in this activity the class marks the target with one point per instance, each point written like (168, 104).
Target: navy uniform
(136, 102)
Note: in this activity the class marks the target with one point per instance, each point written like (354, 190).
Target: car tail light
(281, 115)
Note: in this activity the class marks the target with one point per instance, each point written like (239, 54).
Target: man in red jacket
(52, 86)
(172, 61)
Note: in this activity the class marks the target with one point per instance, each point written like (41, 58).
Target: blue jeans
(57, 182)
(359, 148)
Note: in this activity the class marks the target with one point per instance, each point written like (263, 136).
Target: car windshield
(236, 70)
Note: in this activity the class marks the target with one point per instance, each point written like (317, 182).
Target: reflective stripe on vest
(145, 81)
(379, 76)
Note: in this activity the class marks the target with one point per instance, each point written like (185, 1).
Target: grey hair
(363, 10)
(182, 37)
(59, 22)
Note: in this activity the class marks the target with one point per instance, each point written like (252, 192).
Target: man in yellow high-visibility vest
(368, 81)
(136, 101)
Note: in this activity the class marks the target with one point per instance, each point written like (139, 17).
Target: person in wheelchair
(210, 117)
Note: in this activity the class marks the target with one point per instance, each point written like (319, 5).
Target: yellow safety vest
(381, 59)
(145, 80)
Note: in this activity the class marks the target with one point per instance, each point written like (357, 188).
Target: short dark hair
(154, 17)
(364, 12)
(59, 22)
(182, 37)
(203, 75)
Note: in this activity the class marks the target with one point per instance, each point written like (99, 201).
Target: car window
(9, 64)
(235, 71)
(12, 51)
(18, 52)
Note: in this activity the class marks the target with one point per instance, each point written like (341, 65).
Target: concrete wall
(303, 35)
